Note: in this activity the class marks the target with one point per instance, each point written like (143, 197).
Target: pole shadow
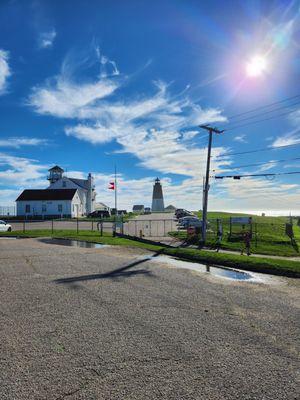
(121, 272)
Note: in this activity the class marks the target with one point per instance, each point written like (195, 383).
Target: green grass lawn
(258, 264)
(268, 234)
(89, 236)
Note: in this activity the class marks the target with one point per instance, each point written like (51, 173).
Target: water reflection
(74, 243)
(222, 272)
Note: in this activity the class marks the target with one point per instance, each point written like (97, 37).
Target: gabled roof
(56, 167)
(47, 194)
(138, 207)
(80, 182)
(170, 207)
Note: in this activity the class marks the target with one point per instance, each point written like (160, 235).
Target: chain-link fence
(155, 228)
(268, 237)
(260, 230)
(64, 225)
(136, 228)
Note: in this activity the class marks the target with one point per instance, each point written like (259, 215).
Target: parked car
(189, 221)
(99, 214)
(180, 213)
(4, 227)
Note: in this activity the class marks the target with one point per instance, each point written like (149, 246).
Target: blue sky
(89, 85)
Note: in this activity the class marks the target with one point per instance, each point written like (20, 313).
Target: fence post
(23, 225)
(101, 228)
(77, 227)
(255, 234)
(92, 226)
(52, 229)
(164, 228)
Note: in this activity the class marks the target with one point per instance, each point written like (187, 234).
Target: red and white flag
(111, 186)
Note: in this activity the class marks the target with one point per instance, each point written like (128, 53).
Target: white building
(101, 207)
(49, 204)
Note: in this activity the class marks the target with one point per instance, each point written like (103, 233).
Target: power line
(263, 163)
(256, 151)
(256, 122)
(265, 106)
(266, 112)
(251, 175)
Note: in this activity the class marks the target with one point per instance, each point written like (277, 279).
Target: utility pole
(206, 183)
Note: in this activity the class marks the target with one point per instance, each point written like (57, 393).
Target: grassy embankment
(258, 264)
(270, 239)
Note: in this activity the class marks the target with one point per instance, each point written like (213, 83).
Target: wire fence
(262, 235)
(135, 228)
(64, 225)
(155, 228)
(234, 232)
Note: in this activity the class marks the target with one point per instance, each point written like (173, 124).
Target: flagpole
(116, 204)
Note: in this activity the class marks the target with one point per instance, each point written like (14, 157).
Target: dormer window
(64, 184)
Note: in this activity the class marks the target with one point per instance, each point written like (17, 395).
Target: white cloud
(147, 126)
(67, 99)
(156, 128)
(18, 173)
(8, 196)
(46, 39)
(64, 97)
(294, 117)
(240, 138)
(188, 135)
(21, 172)
(287, 139)
(255, 194)
(268, 165)
(5, 71)
(17, 142)
(295, 165)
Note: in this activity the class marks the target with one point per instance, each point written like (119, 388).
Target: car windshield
(2, 222)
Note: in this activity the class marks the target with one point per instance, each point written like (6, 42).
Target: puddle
(74, 243)
(222, 272)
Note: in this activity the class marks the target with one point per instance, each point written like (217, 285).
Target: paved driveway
(104, 324)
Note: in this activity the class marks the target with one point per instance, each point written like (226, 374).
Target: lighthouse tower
(157, 197)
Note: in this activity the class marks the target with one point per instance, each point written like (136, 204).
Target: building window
(64, 184)
(27, 208)
(60, 208)
(44, 208)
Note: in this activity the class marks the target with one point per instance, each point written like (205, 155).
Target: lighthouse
(157, 197)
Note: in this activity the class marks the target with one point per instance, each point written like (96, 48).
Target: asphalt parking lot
(105, 324)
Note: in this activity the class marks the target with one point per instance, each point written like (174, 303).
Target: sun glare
(256, 66)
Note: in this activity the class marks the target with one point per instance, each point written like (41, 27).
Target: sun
(256, 67)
